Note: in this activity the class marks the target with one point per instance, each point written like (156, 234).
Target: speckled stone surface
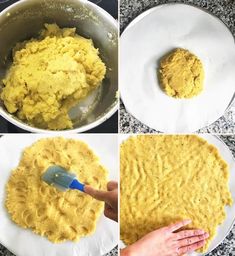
(223, 9)
(5, 252)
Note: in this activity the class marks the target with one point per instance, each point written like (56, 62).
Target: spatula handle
(77, 185)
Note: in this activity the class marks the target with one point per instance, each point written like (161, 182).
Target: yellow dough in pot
(50, 75)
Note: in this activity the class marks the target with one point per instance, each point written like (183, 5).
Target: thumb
(97, 194)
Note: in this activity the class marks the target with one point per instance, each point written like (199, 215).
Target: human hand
(110, 198)
(167, 242)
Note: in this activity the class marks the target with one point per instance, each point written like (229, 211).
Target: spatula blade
(58, 177)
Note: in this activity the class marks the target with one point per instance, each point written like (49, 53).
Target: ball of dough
(181, 74)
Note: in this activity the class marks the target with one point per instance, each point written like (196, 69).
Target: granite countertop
(223, 9)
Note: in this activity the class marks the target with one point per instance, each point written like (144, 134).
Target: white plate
(24, 242)
(153, 34)
(227, 225)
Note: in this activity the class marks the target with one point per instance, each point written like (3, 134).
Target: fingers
(112, 185)
(178, 225)
(192, 240)
(106, 196)
(189, 233)
(191, 248)
(97, 194)
(110, 213)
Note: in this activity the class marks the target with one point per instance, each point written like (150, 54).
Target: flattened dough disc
(23, 242)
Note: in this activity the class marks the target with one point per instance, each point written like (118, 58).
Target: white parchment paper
(153, 34)
(24, 242)
(227, 225)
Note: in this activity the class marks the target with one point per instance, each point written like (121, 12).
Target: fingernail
(187, 221)
(206, 235)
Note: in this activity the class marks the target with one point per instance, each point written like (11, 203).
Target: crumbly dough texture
(57, 215)
(181, 74)
(169, 178)
(50, 75)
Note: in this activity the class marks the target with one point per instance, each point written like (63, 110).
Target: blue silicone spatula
(61, 179)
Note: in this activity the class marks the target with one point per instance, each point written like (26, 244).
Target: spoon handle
(77, 185)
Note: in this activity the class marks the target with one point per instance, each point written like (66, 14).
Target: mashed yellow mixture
(57, 215)
(181, 74)
(168, 178)
(50, 75)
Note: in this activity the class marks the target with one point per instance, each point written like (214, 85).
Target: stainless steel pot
(23, 20)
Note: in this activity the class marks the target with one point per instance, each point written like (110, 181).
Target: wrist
(127, 251)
